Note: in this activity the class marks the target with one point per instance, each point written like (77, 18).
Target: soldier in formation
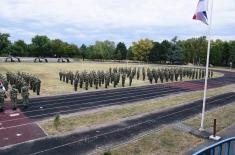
(13, 97)
(25, 95)
(113, 75)
(2, 97)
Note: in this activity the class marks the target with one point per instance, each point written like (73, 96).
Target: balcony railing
(224, 147)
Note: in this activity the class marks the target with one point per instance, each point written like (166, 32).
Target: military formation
(115, 76)
(15, 84)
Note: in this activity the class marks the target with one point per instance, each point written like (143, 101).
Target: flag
(201, 11)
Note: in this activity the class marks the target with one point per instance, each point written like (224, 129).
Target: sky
(86, 21)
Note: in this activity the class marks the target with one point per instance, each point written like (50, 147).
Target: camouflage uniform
(25, 95)
(130, 78)
(38, 86)
(76, 84)
(5, 84)
(13, 96)
(2, 96)
(123, 80)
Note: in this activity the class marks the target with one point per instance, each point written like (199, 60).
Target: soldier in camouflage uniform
(76, 84)
(138, 73)
(25, 95)
(13, 96)
(130, 80)
(60, 75)
(2, 96)
(150, 76)
(181, 74)
(143, 73)
(176, 74)
(123, 80)
(166, 72)
(161, 75)
(5, 84)
(115, 80)
(96, 81)
(196, 73)
(38, 86)
(67, 77)
(86, 81)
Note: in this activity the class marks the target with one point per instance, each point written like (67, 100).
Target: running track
(20, 126)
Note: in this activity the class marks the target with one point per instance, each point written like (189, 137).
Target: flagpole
(207, 66)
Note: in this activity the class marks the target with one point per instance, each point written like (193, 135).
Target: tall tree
(175, 54)
(165, 50)
(216, 52)
(155, 52)
(41, 46)
(120, 51)
(4, 43)
(104, 49)
(58, 48)
(71, 50)
(226, 53)
(19, 48)
(142, 48)
(83, 50)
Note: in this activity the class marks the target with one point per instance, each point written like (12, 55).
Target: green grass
(225, 117)
(165, 142)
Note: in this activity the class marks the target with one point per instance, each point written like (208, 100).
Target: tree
(175, 54)
(130, 55)
(216, 52)
(58, 48)
(41, 46)
(83, 50)
(103, 49)
(165, 50)
(232, 52)
(142, 48)
(194, 50)
(120, 51)
(4, 43)
(19, 48)
(225, 54)
(71, 50)
(155, 52)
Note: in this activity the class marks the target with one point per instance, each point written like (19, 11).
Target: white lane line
(18, 134)
(14, 115)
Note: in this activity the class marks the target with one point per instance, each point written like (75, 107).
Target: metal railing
(224, 147)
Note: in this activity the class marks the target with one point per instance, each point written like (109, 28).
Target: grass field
(225, 117)
(108, 115)
(165, 142)
(48, 73)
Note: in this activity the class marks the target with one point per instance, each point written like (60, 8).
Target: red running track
(14, 130)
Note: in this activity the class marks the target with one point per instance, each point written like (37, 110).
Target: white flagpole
(207, 66)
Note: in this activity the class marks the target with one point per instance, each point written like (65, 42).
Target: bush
(107, 153)
(56, 121)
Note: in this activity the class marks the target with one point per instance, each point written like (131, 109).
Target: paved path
(22, 127)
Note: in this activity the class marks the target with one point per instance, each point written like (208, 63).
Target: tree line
(173, 51)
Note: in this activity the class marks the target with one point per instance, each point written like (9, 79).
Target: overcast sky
(85, 21)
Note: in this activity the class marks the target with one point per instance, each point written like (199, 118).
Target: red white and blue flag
(201, 11)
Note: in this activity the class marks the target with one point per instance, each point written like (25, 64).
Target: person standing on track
(25, 95)
(13, 96)
(2, 96)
